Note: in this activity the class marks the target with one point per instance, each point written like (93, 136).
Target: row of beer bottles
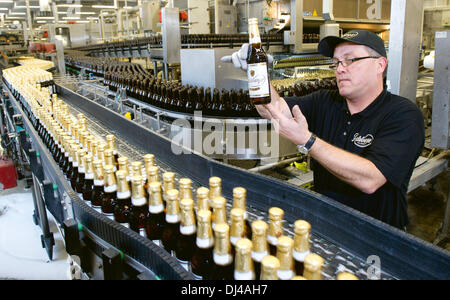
(307, 87)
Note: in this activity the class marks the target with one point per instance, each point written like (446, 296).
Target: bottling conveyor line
(346, 239)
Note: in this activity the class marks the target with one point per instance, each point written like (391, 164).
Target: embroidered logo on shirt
(362, 141)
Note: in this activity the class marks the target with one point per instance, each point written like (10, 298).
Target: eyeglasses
(348, 62)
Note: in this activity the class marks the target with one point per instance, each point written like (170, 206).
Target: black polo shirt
(389, 133)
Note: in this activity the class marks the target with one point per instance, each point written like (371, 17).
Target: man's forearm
(348, 167)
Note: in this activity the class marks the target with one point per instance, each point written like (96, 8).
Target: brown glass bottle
(202, 260)
(260, 246)
(110, 192)
(88, 186)
(258, 77)
(223, 268)
(139, 206)
(99, 185)
(156, 219)
(171, 231)
(186, 245)
(275, 228)
(123, 202)
(301, 244)
(79, 182)
(243, 267)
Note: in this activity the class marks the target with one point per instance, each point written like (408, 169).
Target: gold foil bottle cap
(123, 164)
(301, 238)
(101, 152)
(185, 188)
(153, 174)
(202, 198)
(259, 233)
(204, 233)
(222, 239)
(169, 181)
(111, 141)
(275, 225)
(81, 154)
(313, 267)
(220, 213)
(122, 185)
(243, 260)
(156, 202)
(172, 207)
(237, 224)
(269, 267)
(284, 255)
(137, 191)
(110, 179)
(187, 215)
(239, 198)
(298, 278)
(215, 187)
(346, 276)
(98, 170)
(136, 168)
(89, 165)
(109, 157)
(149, 160)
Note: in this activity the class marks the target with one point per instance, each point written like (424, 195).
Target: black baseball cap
(362, 37)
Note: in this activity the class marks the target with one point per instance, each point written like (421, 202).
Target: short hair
(372, 52)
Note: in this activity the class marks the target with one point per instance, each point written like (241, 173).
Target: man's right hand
(277, 102)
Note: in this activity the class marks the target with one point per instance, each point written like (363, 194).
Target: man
(363, 140)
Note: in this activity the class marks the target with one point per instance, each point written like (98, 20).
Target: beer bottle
(301, 244)
(260, 246)
(219, 211)
(156, 218)
(202, 198)
(79, 182)
(275, 228)
(99, 185)
(152, 174)
(240, 201)
(243, 267)
(123, 202)
(88, 187)
(110, 192)
(269, 268)
(139, 206)
(313, 267)
(72, 170)
(223, 260)
(284, 255)
(171, 230)
(186, 243)
(258, 77)
(202, 260)
(185, 188)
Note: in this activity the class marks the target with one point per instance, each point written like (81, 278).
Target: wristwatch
(304, 149)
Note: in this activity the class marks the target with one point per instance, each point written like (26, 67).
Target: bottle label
(89, 176)
(99, 182)
(123, 195)
(258, 80)
(300, 256)
(187, 230)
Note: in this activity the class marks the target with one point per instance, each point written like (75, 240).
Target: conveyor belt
(344, 237)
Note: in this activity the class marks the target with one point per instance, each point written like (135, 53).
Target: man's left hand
(294, 129)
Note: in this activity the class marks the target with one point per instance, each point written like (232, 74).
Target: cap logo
(350, 35)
